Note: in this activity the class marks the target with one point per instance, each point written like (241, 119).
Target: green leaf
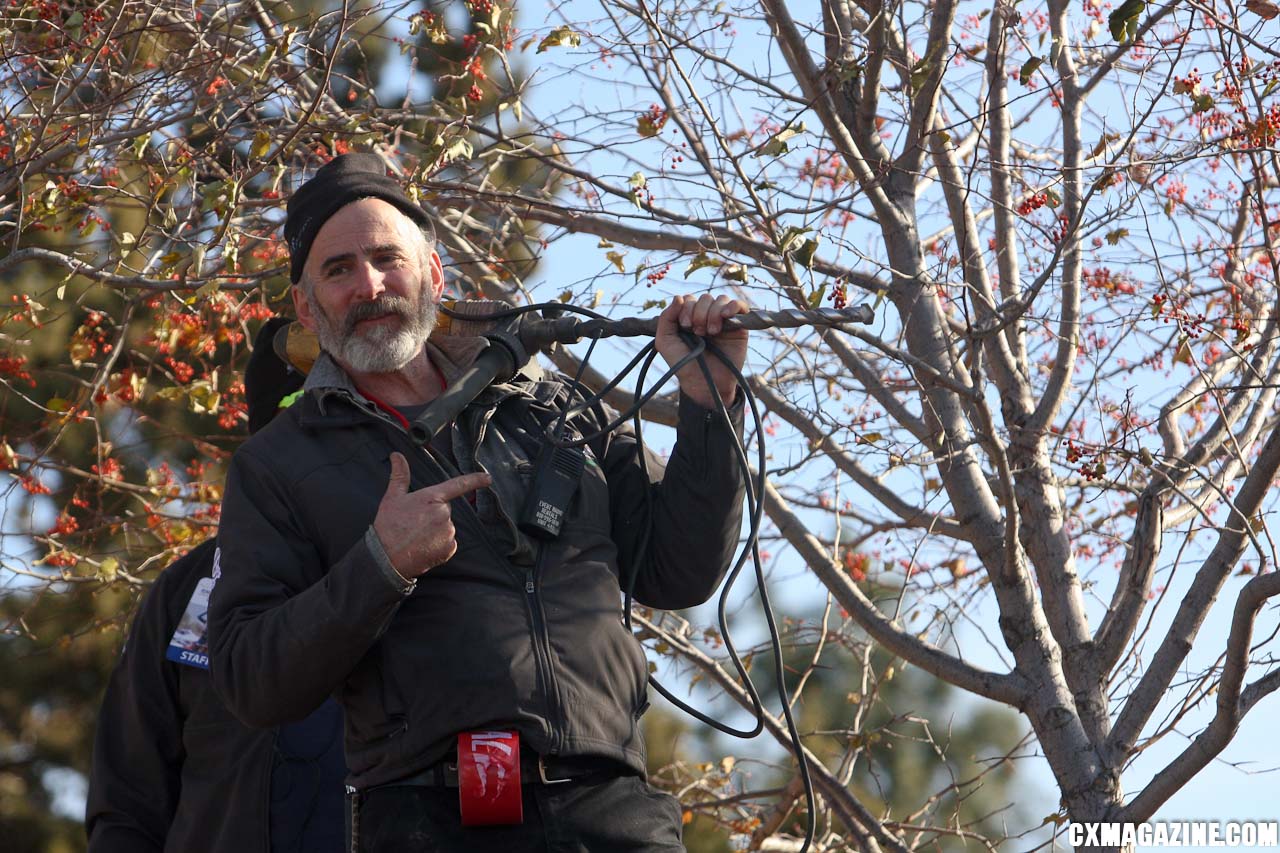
(1203, 103)
(653, 303)
(1053, 200)
(815, 298)
(920, 74)
(646, 126)
(459, 149)
(563, 36)
(108, 569)
(702, 261)
(1028, 68)
(58, 404)
(807, 250)
(1117, 235)
(852, 71)
(261, 144)
(791, 235)
(637, 182)
(203, 398)
(1123, 22)
(776, 145)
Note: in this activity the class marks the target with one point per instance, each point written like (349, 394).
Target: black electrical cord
(698, 347)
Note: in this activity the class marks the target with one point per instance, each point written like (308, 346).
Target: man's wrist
(386, 568)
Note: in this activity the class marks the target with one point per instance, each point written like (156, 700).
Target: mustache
(397, 305)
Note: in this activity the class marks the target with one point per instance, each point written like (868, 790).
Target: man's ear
(302, 307)
(437, 275)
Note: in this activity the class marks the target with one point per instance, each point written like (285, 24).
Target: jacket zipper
(542, 652)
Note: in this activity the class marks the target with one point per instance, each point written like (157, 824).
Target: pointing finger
(457, 487)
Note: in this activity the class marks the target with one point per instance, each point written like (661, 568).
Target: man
(393, 576)
(173, 769)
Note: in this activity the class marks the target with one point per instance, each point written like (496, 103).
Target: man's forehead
(370, 213)
(362, 226)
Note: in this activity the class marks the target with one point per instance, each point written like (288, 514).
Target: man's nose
(369, 282)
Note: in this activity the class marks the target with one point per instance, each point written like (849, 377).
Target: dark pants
(615, 815)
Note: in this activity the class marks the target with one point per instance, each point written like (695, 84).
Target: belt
(534, 770)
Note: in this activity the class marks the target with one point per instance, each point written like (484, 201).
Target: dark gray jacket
(174, 770)
(501, 635)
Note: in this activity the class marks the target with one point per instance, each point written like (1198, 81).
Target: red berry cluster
(109, 469)
(34, 486)
(657, 116)
(1059, 232)
(855, 563)
(657, 275)
(839, 296)
(182, 372)
(1032, 203)
(1078, 459)
(16, 368)
(1192, 325)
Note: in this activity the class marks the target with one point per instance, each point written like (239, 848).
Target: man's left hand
(704, 317)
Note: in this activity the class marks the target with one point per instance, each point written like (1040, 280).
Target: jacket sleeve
(692, 515)
(135, 780)
(284, 629)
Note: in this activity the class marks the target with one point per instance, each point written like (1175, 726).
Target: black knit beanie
(267, 379)
(339, 182)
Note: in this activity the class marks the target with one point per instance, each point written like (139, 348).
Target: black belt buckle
(542, 773)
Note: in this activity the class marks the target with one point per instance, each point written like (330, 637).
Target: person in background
(173, 769)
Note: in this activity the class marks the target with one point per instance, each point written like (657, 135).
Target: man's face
(373, 287)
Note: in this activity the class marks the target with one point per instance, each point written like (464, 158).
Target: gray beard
(379, 349)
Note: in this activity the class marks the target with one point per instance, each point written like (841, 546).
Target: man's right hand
(415, 528)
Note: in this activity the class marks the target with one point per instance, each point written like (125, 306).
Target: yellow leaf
(1183, 355)
(261, 144)
(616, 259)
(203, 398)
(563, 36)
(108, 569)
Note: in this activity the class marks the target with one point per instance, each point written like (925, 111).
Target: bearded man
(394, 577)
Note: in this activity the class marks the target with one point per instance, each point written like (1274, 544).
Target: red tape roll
(489, 778)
